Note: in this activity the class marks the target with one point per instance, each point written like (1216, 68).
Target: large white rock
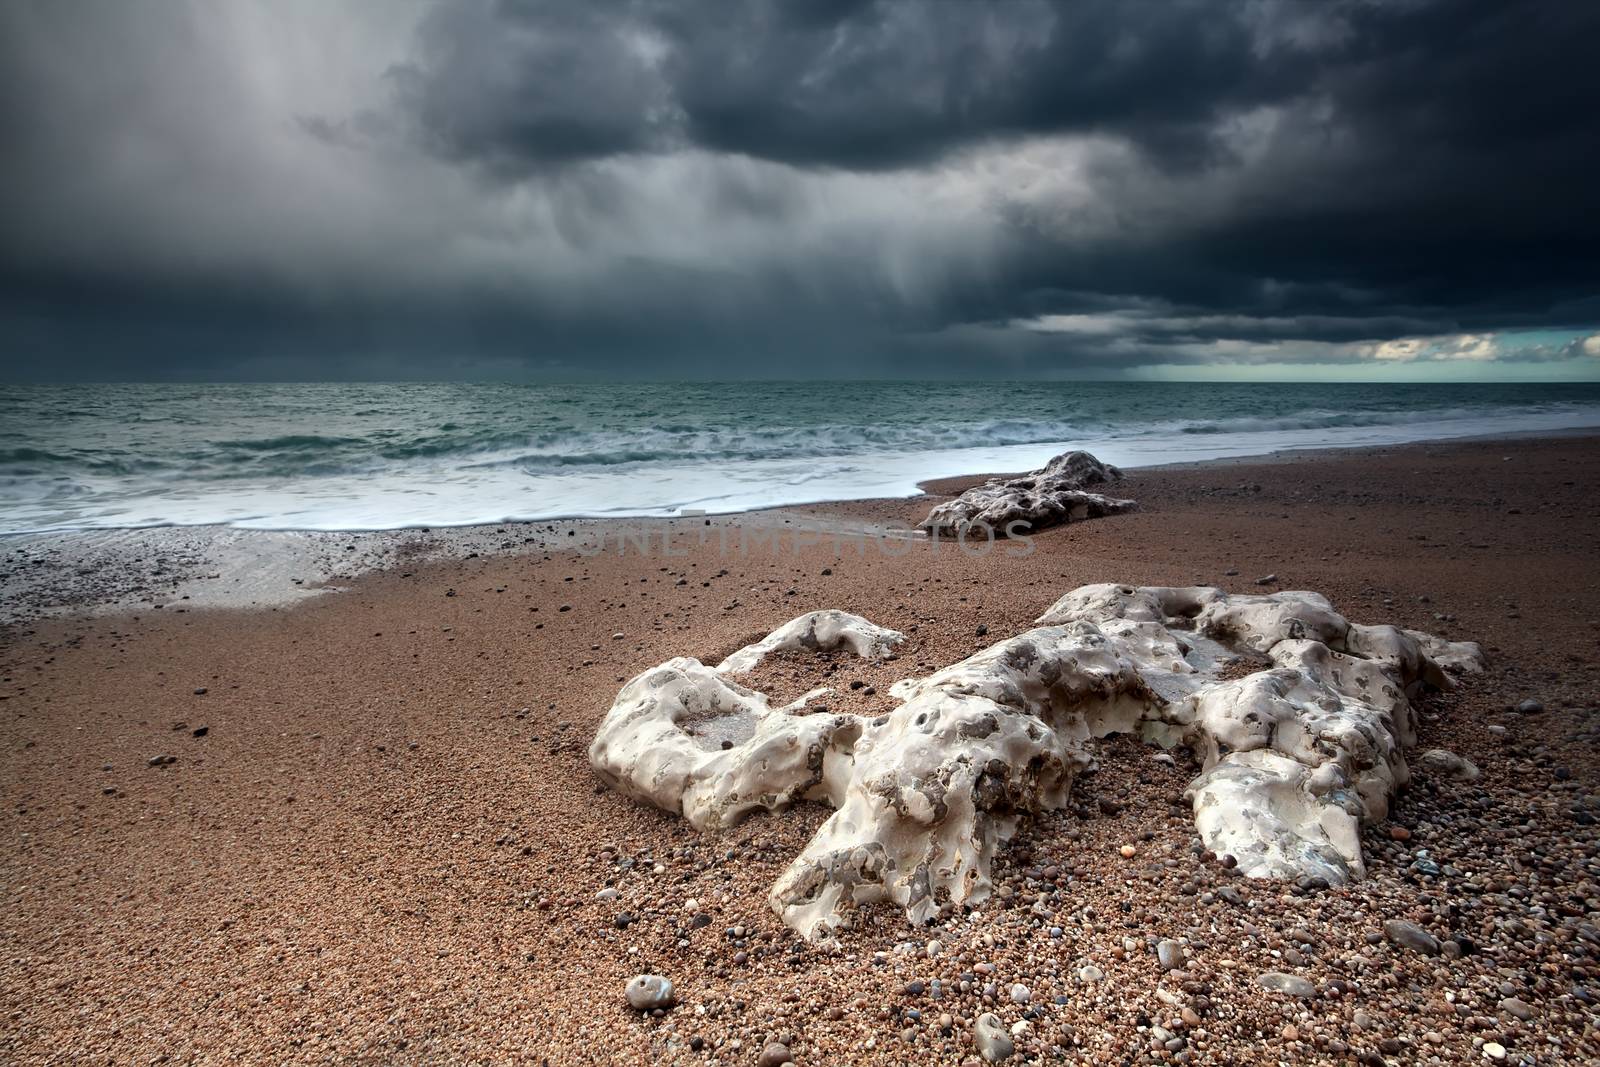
(1055, 494)
(689, 739)
(1296, 756)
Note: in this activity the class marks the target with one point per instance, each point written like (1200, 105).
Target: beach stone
(1410, 935)
(1170, 954)
(1291, 984)
(1443, 763)
(1090, 973)
(1494, 1050)
(1299, 753)
(1519, 1008)
(1021, 994)
(1267, 579)
(1053, 495)
(990, 1037)
(775, 1054)
(647, 992)
(1530, 707)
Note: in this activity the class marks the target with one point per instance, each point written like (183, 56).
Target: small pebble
(647, 992)
(775, 1054)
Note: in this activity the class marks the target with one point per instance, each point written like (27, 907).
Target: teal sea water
(376, 456)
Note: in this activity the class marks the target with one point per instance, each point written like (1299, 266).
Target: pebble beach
(338, 806)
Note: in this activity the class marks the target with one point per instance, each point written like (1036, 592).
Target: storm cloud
(793, 189)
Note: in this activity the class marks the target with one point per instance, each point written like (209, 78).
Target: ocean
(390, 456)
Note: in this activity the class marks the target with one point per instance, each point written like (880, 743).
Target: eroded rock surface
(1297, 755)
(1056, 494)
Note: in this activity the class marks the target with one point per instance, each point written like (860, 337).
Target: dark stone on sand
(1412, 936)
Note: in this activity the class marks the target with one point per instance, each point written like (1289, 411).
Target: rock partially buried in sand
(1441, 763)
(647, 992)
(689, 739)
(816, 631)
(1291, 984)
(776, 1054)
(1055, 494)
(989, 1035)
(1297, 756)
(1411, 936)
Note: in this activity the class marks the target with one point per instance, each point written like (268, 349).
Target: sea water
(385, 456)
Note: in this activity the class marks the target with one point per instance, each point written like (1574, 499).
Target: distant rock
(1053, 495)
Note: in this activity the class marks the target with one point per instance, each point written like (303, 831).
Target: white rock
(1296, 756)
(646, 992)
(1050, 496)
(1442, 763)
(990, 1037)
(817, 631)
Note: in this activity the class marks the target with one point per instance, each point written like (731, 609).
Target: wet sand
(385, 842)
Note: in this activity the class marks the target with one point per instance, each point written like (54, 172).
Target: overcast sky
(307, 189)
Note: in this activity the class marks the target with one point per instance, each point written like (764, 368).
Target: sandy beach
(379, 838)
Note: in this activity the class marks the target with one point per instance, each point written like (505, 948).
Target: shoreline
(113, 570)
(368, 828)
(476, 488)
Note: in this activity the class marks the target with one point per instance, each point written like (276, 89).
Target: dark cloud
(846, 83)
(791, 188)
